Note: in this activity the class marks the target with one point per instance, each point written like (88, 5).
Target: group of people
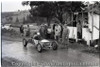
(61, 32)
(57, 31)
(25, 32)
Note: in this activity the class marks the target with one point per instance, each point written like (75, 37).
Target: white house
(92, 26)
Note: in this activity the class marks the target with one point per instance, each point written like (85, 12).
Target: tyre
(39, 48)
(24, 42)
(54, 46)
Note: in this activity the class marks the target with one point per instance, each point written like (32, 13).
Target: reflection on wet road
(14, 54)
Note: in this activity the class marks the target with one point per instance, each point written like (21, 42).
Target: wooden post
(92, 29)
(82, 19)
(99, 32)
(92, 26)
(82, 23)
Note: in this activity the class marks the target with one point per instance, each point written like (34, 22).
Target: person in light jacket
(65, 35)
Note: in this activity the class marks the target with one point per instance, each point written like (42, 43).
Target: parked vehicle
(7, 27)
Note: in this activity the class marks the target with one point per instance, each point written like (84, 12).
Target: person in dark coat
(79, 29)
(61, 30)
(54, 25)
(28, 31)
(43, 31)
(22, 30)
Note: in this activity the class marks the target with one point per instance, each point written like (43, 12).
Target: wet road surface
(15, 55)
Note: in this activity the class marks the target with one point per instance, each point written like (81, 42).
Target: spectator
(53, 34)
(65, 35)
(57, 32)
(43, 31)
(46, 31)
(79, 30)
(28, 31)
(61, 30)
(54, 25)
(21, 30)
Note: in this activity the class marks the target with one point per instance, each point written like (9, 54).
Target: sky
(10, 6)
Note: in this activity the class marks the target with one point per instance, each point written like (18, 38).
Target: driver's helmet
(38, 33)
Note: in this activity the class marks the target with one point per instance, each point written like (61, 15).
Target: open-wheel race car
(40, 43)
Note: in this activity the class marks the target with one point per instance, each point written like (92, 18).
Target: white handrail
(96, 27)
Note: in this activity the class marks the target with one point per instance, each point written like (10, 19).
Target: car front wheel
(24, 42)
(39, 47)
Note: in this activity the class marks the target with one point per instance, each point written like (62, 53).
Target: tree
(10, 18)
(52, 9)
(17, 20)
(95, 8)
(24, 21)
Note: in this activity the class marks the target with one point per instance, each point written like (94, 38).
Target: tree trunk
(61, 20)
(48, 21)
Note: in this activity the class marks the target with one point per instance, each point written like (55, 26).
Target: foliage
(17, 20)
(50, 9)
(95, 7)
(24, 20)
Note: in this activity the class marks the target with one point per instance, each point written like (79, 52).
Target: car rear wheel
(54, 46)
(24, 42)
(39, 47)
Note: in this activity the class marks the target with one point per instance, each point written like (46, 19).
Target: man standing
(54, 29)
(43, 31)
(79, 30)
(28, 31)
(54, 25)
(61, 30)
(57, 32)
(65, 35)
(21, 30)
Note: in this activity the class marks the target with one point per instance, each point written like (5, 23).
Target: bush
(11, 32)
